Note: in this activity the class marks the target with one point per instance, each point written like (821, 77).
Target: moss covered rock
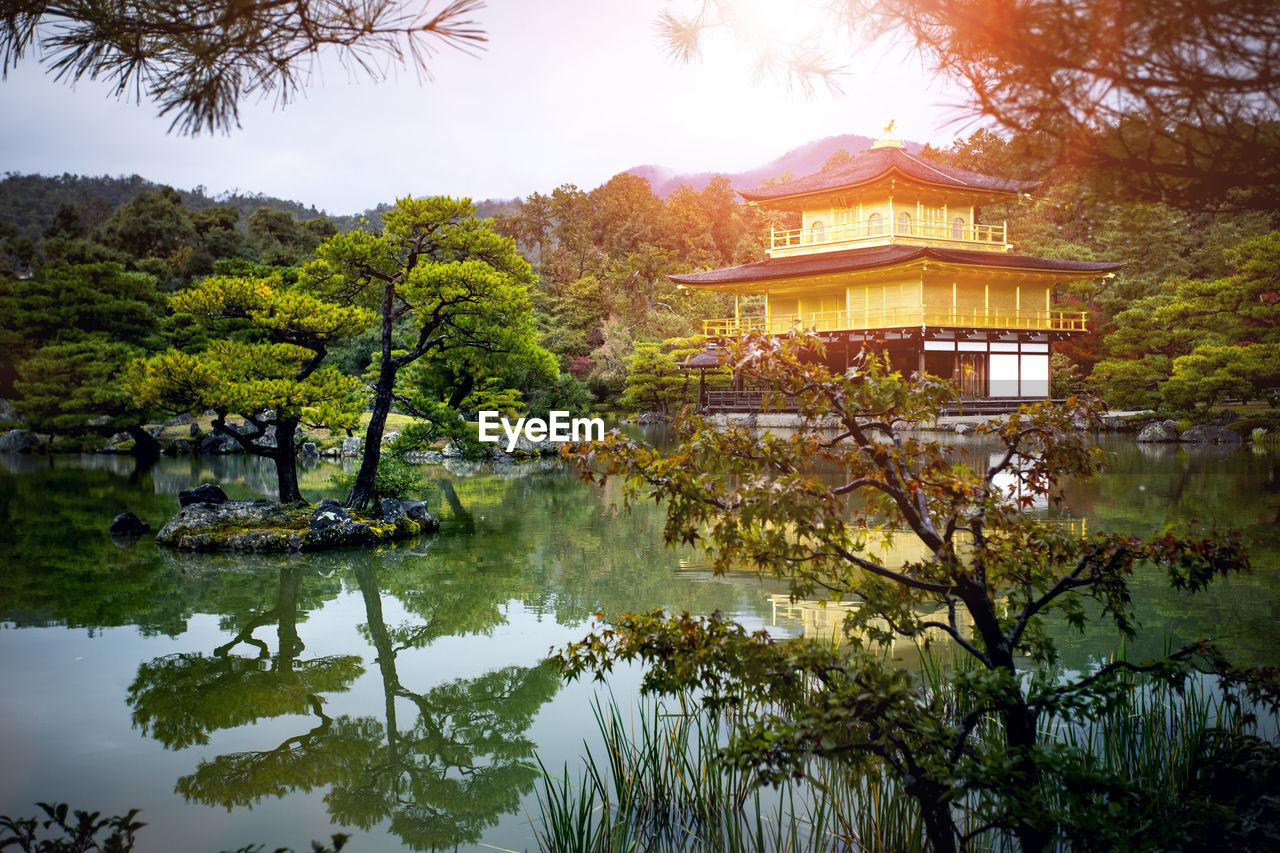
(261, 525)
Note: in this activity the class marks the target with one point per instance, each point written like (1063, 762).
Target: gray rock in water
(329, 515)
(309, 452)
(338, 536)
(194, 527)
(430, 456)
(452, 450)
(18, 441)
(1116, 423)
(128, 524)
(268, 438)
(180, 447)
(194, 429)
(417, 510)
(352, 446)
(392, 510)
(1159, 431)
(965, 428)
(205, 493)
(1210, 434)
(390, 437)
(219, 444)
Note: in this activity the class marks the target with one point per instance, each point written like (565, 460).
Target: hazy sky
(568, 91)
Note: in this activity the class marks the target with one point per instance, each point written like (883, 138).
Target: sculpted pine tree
(277, 384)
(440, 281)
(815, 507)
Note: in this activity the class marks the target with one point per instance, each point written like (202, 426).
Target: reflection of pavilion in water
(823, 620)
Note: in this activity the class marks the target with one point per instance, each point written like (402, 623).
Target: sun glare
(777, 25)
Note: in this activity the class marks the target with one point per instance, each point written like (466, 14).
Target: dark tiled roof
(706, 358)
(872, 257)
(873, 163)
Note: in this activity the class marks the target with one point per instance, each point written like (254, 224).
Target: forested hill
(804, 160)
(29, 202)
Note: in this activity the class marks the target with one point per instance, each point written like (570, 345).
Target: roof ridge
(933, 168)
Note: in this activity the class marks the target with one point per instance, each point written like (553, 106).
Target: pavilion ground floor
(995, 370)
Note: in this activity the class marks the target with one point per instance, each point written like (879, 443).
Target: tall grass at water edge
(656, 782)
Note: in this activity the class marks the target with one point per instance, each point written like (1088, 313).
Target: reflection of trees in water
(440, 779)
(463, 761)
(569, 551)
(178, 699)
(1146, 489)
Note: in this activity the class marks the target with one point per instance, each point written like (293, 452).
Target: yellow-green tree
(441, 281)
(276, 384)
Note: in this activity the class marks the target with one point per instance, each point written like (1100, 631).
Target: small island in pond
(208, 521)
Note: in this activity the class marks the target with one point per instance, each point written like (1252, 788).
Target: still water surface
(397, 695)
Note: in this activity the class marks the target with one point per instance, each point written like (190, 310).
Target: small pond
(398, 695)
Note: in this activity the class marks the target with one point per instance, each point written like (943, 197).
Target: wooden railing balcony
(839, 321)
(849, 235)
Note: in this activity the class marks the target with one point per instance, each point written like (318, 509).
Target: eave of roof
(875, 163)
(850, 260)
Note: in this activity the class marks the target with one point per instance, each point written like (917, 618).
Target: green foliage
(66, 333)
(1182, 765)
(655, 380)
(566, 394)
(79, 831)
(279, 240)
(660, 785)
(1212, 373)
(1066, 377)
(1131, 384)
(604, 258)
(65, 301)
(396, 478)
(74, 388)
(816, 509)
(440, 422)
(338, 840)
(274, 385)
(1201, 340)
(460, 288)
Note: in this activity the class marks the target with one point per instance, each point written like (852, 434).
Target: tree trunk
(935, 810)
(286, 461)
(362, 491)
(462, 392)
(145, 445)
(1019, 720)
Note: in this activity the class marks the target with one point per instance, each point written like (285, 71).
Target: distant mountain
(805, 160)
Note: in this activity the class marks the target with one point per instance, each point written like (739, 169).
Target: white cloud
(569, 91)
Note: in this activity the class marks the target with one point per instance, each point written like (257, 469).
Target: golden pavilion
(889, 255)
